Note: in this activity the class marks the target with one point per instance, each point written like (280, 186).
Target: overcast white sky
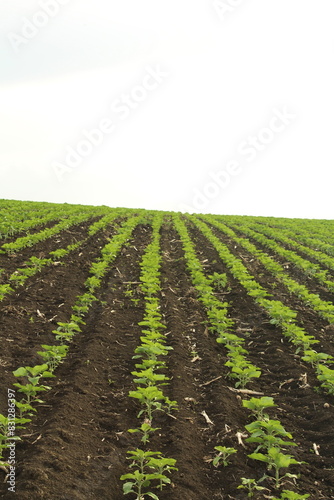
(208, 106)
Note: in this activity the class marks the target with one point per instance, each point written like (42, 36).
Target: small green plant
(268, 433)
(149, 377)
(258, 405)
(277, 461)
(170, 405)
(146, 429)
(92, 282)
(4, 290)
(24, 408)
(141, 478)
(53, 355)
(223, 455)
(39, 263)
(219, 280)
(326, 376)
(290, 495)
(250, 485)
(161, 466)
(65, 331)
(316, 358)
(33, 375)
(150, 397)
(242, 370)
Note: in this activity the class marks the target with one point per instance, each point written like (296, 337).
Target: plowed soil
(76, 446)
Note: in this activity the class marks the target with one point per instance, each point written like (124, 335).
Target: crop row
(19, 217)
(305, 265)
(280, 314)
(35, 264)
(267, 433)
(323, 308)
(306, 237)
(29, 377)
(150, 466)
(312, 230)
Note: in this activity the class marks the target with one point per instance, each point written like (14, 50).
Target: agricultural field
(149, 354)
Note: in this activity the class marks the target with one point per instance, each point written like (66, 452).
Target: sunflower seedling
(140, 479)
(146, 430)
(53, 355)
(317, 358)
(161, 466)
(219, 280)
(250, 485)
(33, 374)
(277, 461)
(149, 397)
(258, 405)
(268, 433)
(148, 377)
(65, 331)
(290, 495)
(223, 455)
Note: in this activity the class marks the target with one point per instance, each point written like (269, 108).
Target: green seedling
(268, 433)
(221, 323)
(229, 339)
(24, 409)
(277, 461)
(326, 376)
(58, 254)
(290, 495)
(317, 358)
(258, 405)
(223, 455)
(85, 299)
(33, 375)
(149, 397)
(146, 430)
(7, 436)
(65, 331)
(92, 283)
(21, 275)
(140, 479)
(4, 290)
(98, 268)
(279, 313)
(170, 405)
(219, 280)
(77, 319)
(137, 482)
(250, 485)
(150, 363)
(53, 355)
(39, 263)
(304, 342)
(161, 466)
(150, 349)
(149, 377)
(243, 372)
(152, 322)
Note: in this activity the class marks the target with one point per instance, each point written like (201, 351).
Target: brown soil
(75, 447)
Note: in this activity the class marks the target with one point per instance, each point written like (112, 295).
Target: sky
(204, 106)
